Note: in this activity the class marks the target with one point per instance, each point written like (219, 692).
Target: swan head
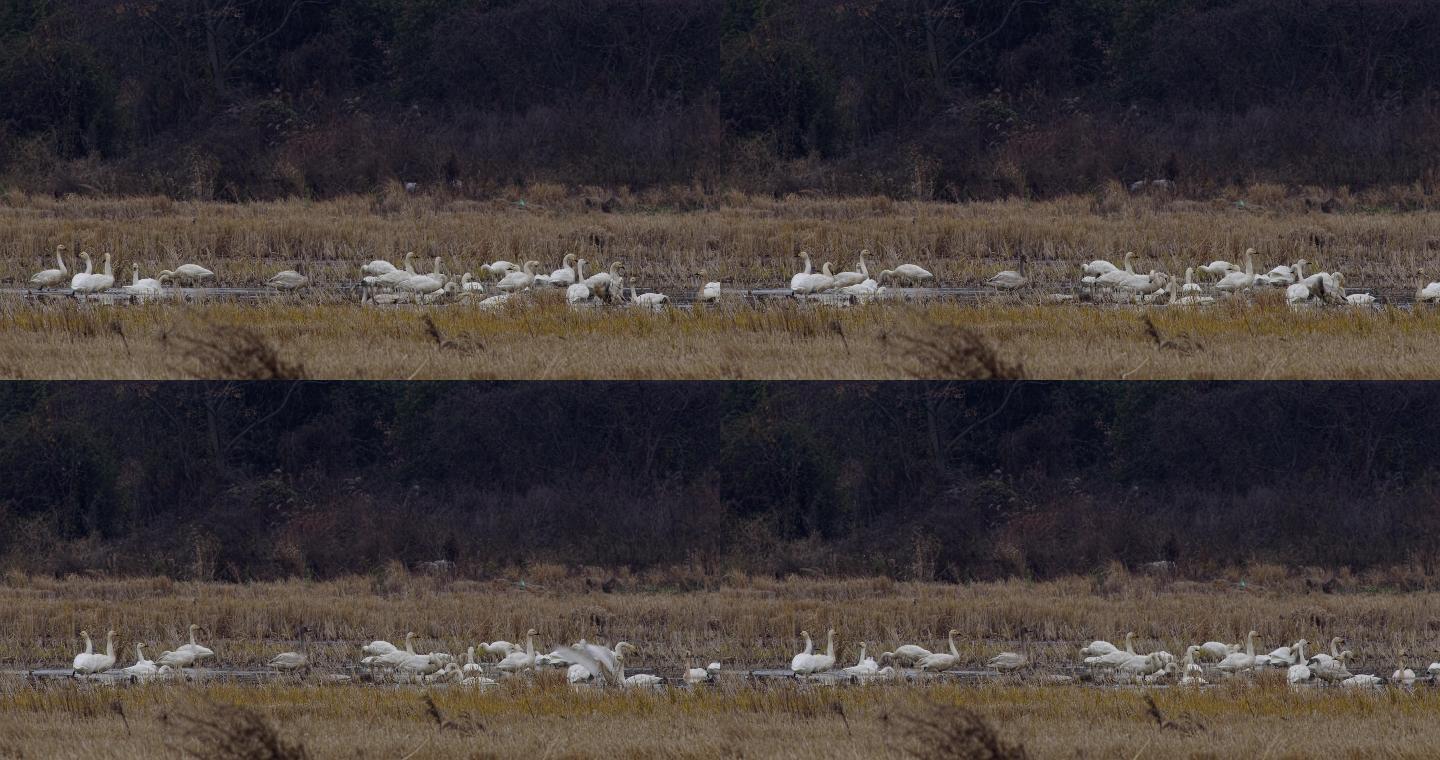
(194, 627)
(953, 633)
(805, 255)
(805, 634)
(85, 255)
(624, 645)
(60, 248)
(531, 632)
(568, 260)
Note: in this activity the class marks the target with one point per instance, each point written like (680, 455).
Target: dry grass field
(744, 622)
(664, 238)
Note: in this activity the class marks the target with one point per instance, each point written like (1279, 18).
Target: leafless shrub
(957, 732)
(1181, 343)
(956, 353)
(216, 731)
(233, 351)
(1184, 724)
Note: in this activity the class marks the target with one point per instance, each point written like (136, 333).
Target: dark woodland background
(950, 481)
(944, 99)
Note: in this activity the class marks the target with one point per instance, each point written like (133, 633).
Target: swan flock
(384, 282)
(584, 662)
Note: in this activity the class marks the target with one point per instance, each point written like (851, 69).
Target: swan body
(376, 648)
(1283, 275)
(648, 300)
(1331, 668)
(50, 278)
(819, 663)
(146, 287)
(1098, 648)
(1428, 294)
(1362, 681)
(865, 666)
(288, 279)
(580, 291)
(422, 284)
(905, 654)
(642, 680)
(501, 267)
(1237, 281)
(89, 662)
(176, 659)
(941, 660)
(703, 675)
(846, 279)
(78, 280)
(377, 268)
(518, 661)
(200, 652)
(1360, 299)
(1285, 656)
(1219, 268)
(799, 277)
(1216, 650)
(501, 648)
(565, 275)
(813, 283)
(1190, 287)
(142, 668)
(191, 273)
(908, 272)
(289, 661)
(1403, 675)
(514, 282)
(1239, 661)
(471, 668)
(709, 292)
(396, 276)
(1191, 673)
(494, 302)
(1097, 268)
(1006, 280)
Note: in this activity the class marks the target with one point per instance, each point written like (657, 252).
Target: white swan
(1300, 671)
(1219, 268)
(813, 283)
(142, 668)
(1097, 268)
(865, 666)
(200, 652)
(707, 674)
(1217, 650)
(565, 275)
(709, 292)
(798, 661)
(290, 662)
(377, 647)
(1114, 656)
(1403, 675)
(846, 279)
(816, 663)
(377, 268)
(1007, 661)
(905, 655)
(1333, 654)
(190, 273)
(1237, 281)
(514, 282)
(1098, 648)
(1300, 291)
(468, 284)
(800, 276)
(79, 279)
(1110, 277)
(648, 300)
(288, 279)
(471, 668)
(1190, 287)
(579, 292)
(50, 278)
(603, 284)
(1287, 655)
(941, 660)
(500, 648)
(146, 287)
(1191, 674)
(501, 267)
(1364, 680)
(176, 659)
(1008, 279)
(89, 662)
(1360, 299)
(1234, 663)
(396, 276)
(1428, 293)
(1332, 668)
(518, 661)
(1283, 275)
(908, 272)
